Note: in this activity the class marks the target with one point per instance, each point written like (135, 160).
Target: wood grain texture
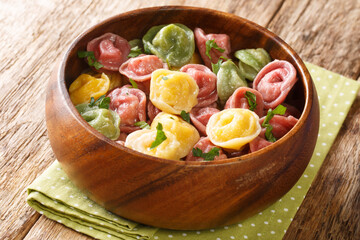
(327, 33)
(45, 228)
(33, 34)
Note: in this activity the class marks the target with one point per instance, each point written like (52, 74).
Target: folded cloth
(53, 194)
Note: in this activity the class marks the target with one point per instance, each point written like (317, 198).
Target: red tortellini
(140, 68)
(200, 117)
(281, 125)
(238, 100)
(222, 41)
(275, 81)
(110, 50)
(130, 104)
(206, 81)
(205, 145)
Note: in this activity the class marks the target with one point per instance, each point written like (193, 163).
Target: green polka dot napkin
(53, 194)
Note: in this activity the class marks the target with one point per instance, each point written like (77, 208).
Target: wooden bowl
(178, 194)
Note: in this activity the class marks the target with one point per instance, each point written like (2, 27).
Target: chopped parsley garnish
(135, 51)
(91, 60)
(142, 125)
(133, 83)
(251, 100)
(212, 44)
(209, 156)
(185, 116)
(216, 66)
(92, 102)
(268, 134)
(160, 136)
(102, 102)
(280, 110)
(168, 64)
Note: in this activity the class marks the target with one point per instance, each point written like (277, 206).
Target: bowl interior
(243, 34)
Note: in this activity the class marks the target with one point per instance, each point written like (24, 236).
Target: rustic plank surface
(35, 33)
(45, 228)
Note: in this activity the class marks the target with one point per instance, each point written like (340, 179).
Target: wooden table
(35, 33)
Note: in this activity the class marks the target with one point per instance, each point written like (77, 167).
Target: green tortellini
(173, 43)
(136, 48)
(251, 61)
(229, 79)
(103, 120)
(136, 43)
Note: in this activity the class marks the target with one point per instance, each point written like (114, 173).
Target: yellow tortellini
(233, 128)
(141, 141)
(87, 86)
(181, 136)
(195, 59)
(114, 77)
(173, 91)
(185, 133)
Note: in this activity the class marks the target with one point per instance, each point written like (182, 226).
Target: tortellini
(229, 79)
(181, 136)
(173, 43)
(274, 82)
(136, 43)
(114, 77)
(251, 61)
(195, 59)
(185, 133)
(233, 128)
(110, 50)
(103, 120)
(176, 94)
(86, 86)
(141, 141)
(172, 91)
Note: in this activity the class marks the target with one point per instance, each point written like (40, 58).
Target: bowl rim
(302, 71)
